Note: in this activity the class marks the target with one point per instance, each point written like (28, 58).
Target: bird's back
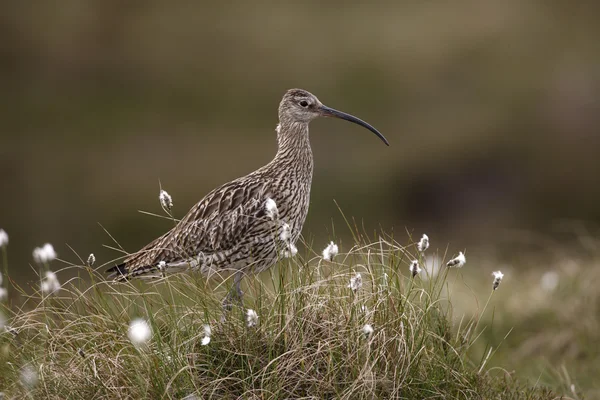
(229, 229)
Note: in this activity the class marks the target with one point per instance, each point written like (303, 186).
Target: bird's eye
(304, 103)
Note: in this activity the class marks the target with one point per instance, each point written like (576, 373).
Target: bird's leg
(237, 280)
(235, 293)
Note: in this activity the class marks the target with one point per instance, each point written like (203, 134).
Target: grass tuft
(309, 340)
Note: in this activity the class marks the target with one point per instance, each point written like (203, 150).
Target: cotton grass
(334, 334)
(3, 238)
(44, 254)
(139, 332)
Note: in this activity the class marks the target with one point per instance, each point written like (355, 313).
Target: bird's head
(301, 106)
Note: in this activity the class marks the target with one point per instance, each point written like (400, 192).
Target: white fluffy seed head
(51, 276)
(139, 332)
(291, 251)
(286, 232)
(271, 209)
(207, 333)
(166, 201)
(91, 259)
(355, 282)
(330, 251)
(50, 284)
(549, 281)
(3, 238)
(458, 261)
(497, 279)
(44, 254)
(423, 243)
(367, 330)
(29, 376)
(251, 318)
(414, 268)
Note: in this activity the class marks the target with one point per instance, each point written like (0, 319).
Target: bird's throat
(294, 147)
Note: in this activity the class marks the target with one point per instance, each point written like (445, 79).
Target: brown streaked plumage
(229, 229)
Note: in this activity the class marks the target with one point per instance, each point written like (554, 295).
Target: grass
(553, 330)
(309, 343)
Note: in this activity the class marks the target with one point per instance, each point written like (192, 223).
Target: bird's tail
(123, 272)
(118, 272)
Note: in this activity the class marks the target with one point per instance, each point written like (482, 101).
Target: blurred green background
(491, 107)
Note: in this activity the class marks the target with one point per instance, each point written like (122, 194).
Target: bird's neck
(294, 150)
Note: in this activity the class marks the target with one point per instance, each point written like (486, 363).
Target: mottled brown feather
(228, 229)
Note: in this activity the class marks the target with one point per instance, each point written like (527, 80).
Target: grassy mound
(316, 336)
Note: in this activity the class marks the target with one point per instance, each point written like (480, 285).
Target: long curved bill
(330, 112)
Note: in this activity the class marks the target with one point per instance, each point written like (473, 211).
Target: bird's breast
(293, 199)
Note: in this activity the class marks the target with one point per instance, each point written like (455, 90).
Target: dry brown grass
(309, 341)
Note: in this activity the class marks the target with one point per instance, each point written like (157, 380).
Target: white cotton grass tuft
(3, 238)
(139, 332)
(29, 376)
(251, 318)
(367, 330)
(162, 268)
(497, 279)
(285, 236)
(207, 333)
(355, 282)
(91, 259)
(330, 251)
(291, 251)
(50, 284)
(271, 209)
(44, 254)
(286, 232)
(166, 201)
(423, 243)
(458, 261)
(414, 268)
(549, 281)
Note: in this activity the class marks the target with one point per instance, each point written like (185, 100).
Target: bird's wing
(215, 224)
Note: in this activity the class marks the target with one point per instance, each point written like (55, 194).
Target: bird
(246, 225)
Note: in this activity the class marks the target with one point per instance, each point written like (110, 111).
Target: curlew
(246, 225)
